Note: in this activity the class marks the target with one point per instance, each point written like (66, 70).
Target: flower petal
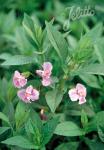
(16, 83)
(39, 72)
(82, 100)
(81, 90)
(17, 74)
(73, 94)
(19, 80)
(29, 89)
(46, 81)
(22, 96)
(23, 82)
(35, 95)
(47, 66)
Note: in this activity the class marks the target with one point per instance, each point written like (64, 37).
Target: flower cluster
(31, 94)
(19, 80)
(45, 73)
(27, 94)
(78, 93)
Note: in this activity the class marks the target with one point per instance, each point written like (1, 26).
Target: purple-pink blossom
(45, 73)
(19, 80)
(78, 93)
(29, 94)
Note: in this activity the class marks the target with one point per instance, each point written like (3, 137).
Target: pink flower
(45, 73)
(28, 94)
(19, 80)
(78, 93)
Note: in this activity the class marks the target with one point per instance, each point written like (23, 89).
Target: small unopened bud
(42, 115)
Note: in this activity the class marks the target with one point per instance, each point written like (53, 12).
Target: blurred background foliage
(13, 41)
(12, 36)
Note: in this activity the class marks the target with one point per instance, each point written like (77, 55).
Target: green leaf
(95, 33)
(68, 146)
(5, 56)
(53, 99)
(83, 52)
(98, 53)
(84, 119)
(20, 142)
(36, 121)
(91, 126)
(21, 114)
(33, 132)
(90, 80)
(19, 60)
(57, 41)
(68, 128)
(28, 127)
(22, 42)
(97, 69)
(43, 148)
(33, 128)
(94, 145)
(101, 133)
(33, 31)
(3, 129)
(48, 130)
(4, 118)
(100, 119)
(11, 20)
(26, 74)
(28, 24)
(99, 49)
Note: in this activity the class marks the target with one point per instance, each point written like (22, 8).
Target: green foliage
(53, 99)
(34, 32)
(97, 69)
(84, 51)
(68, 128)
(55, 37)
(94, 145)
(90, 80)
(84, 119)
(38, 133)
(21, 114)
(4, 118)
(67, 146)
(31, 33)
(3, 129)
(19, 60)
(19, 141)
(48, 130)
